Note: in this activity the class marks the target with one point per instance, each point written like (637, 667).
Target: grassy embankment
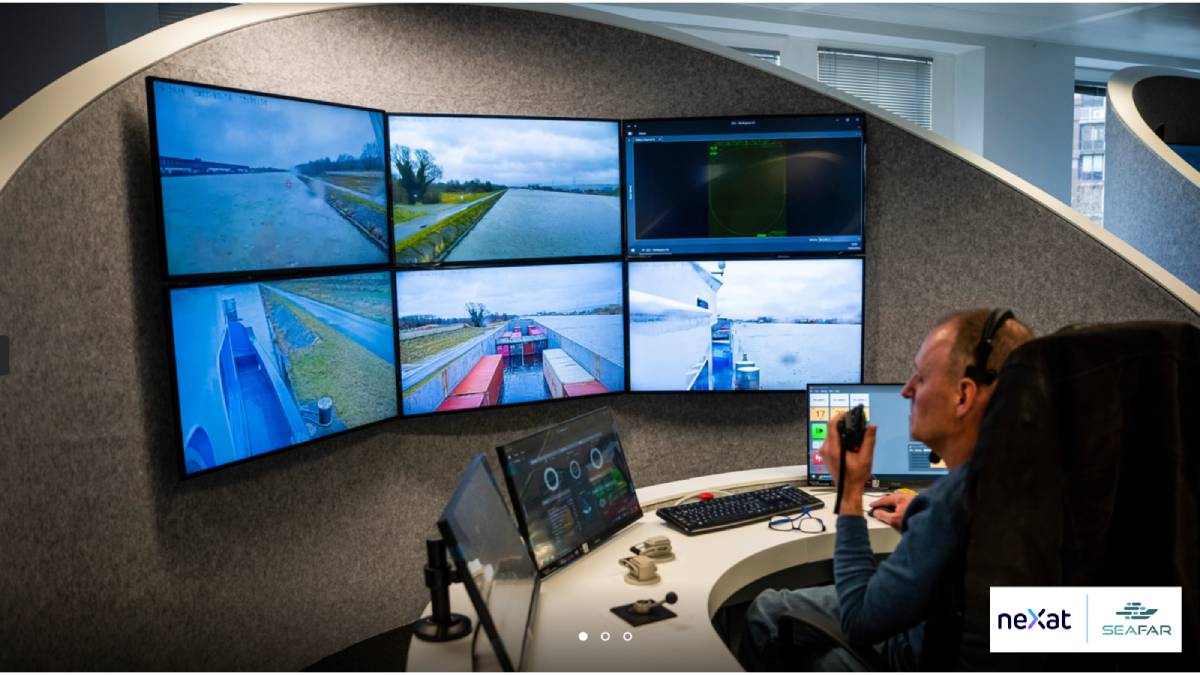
(368, 297)
(361, 384)
(432, 243)
(415, 350)
(403, 212)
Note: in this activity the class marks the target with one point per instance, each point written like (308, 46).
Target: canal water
(253, 221)
(540, 224)
(790, 355)
(524, 383)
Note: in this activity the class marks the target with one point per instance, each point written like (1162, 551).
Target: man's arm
(876, 603)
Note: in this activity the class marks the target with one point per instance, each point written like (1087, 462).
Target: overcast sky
(514, 152)
(790, 289)
(509, 290)
(257, 131)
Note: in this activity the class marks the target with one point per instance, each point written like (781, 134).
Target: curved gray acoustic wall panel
(110, 562)
(1151, 195)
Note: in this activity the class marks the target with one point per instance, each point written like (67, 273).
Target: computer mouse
(886, 507)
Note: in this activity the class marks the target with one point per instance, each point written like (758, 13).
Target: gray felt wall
(108, 561)
(1146, 201)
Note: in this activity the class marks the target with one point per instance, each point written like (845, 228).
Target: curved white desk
(708, 569)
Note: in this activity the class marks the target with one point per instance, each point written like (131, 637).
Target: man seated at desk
(886, 606)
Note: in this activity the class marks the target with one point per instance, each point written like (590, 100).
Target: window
(1091, 167)
(1087, 151)
(1091, 137)
(902, 85)
(768, 55)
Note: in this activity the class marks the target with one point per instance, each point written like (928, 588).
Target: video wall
(328, 267)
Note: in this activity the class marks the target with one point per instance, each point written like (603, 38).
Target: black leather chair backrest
(1087, 473)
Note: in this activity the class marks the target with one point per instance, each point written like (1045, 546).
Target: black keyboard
(739, 509)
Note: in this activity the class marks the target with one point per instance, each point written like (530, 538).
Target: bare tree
(417, 170)
(478, 313)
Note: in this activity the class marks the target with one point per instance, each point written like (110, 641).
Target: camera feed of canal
(255, 182)
(473, 338)
(262, 366)
(485, 188)
(744, 324)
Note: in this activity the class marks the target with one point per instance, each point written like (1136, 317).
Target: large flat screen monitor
(479, 337)
(264, 366)
(763, 185)
(715, 325)
(492, 562)
(570, 488)
(251, 182)
(898, 458)
(500, 188)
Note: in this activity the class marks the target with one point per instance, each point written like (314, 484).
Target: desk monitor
(570, 487)
(249, 181)
(898, 458)
(744, 325)
(762, 185)
(492, 562)
(504, 188)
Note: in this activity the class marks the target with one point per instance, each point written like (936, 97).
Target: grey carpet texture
(111, 562)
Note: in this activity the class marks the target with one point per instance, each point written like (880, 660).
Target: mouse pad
(659, 613)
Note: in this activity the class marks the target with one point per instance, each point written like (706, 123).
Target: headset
(978, 371)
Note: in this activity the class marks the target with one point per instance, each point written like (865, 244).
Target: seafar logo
(1029, 619)
(1135, 611)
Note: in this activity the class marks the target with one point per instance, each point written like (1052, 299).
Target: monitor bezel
(250, 275)
(169, 327)
(499, 264)
(885, 480)
(584, 547)
(618, 254)
(626, 225)
(482, 613)
(737, 392)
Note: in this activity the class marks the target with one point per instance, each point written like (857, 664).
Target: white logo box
(1086, 619)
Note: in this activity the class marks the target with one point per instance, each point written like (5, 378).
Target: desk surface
(708, 569)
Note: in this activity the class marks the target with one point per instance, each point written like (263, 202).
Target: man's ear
(968, 392)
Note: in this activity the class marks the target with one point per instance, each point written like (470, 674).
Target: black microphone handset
(852, 427)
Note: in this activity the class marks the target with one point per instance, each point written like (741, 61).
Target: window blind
(902, 85)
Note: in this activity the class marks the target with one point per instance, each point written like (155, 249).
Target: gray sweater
(878, 602)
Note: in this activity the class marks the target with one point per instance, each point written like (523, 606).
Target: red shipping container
(461, 402)
(584, 389)
(530, 347)
(485, 378)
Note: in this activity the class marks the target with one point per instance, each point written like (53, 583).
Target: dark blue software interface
(571, 488)
(898, 458)
(758, 185)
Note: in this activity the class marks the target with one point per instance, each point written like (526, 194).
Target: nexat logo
(1029, 619)
(1135, 611)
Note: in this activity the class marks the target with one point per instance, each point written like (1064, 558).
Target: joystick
(642, 612)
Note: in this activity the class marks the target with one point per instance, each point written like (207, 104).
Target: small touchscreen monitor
(492, 562)
(898, 458)
(570, 488)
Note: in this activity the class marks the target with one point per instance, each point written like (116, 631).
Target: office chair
(1085, 474)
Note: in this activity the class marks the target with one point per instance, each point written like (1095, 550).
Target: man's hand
(858, 466)
(899, 503)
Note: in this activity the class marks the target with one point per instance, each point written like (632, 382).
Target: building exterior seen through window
(1087, 151)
